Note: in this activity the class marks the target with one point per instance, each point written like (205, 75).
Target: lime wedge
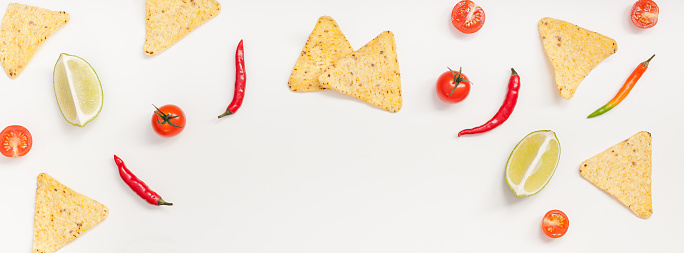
(77, 89)
(532, 163)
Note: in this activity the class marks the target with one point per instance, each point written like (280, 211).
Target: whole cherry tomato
(555, 223)
(168, 120)
(453, 86)
(645, 13)
(467, 17)
(16, 141)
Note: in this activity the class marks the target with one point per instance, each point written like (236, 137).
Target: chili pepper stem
(161, 202)
(647, 61)
(228, 112)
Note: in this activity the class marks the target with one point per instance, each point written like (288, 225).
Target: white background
(323, 172)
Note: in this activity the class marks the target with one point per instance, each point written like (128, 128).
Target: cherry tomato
(467, 17)
(555, 223)
(453, 86)
(168, 120)
(16, 141)
(645, 13)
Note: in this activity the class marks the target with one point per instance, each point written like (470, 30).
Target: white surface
(320, 172)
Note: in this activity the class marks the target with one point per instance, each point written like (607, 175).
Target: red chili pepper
(624, 91)
(505, 110)
(240, 82)
(139, 186)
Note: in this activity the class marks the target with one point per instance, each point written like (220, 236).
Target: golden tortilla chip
(62, 215)
(573, 52)
(170, 20)
(326, 44)
(624, 171)
(370, 74)
(23, 29)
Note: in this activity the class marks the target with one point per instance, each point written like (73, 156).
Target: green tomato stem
(165, 117)
(457, 79)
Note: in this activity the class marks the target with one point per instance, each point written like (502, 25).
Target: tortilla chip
(62, 215)
(326, 44)
(370, 74)
(624, 171)
(170, 20)
(573, 52)
(23, 29)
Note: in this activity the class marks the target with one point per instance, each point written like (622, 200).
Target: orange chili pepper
(624, 91)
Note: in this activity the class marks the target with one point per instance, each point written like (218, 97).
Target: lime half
(77, 89)
(532, 163)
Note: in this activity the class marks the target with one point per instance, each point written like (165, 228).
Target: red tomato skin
(555, 223)
(445, 83)
(645, 13)
(165, 129)
(16, 141)
(464, 22)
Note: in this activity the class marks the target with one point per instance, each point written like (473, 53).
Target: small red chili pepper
(624, 91)
(240, 82)
(139, 186)
(505, 110)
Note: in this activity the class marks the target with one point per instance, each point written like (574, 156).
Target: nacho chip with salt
(23, 30)
(326, 44)
(624, 171)
(370, 74)
(573, 52)
(170, 20)
(62, 215)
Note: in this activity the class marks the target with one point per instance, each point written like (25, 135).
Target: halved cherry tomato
(645, 14)
(453, 86)
(168, 120)
(467, 17)
(555, 223)
(16, 141)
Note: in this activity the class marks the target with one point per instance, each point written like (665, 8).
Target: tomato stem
(165, 117)
(457, 79)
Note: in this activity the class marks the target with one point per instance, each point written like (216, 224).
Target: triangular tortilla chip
(23, 29)
(169, 20)
(573, 52)
(624, 171)
(326, 44)
(370, 74)
(62, 215)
